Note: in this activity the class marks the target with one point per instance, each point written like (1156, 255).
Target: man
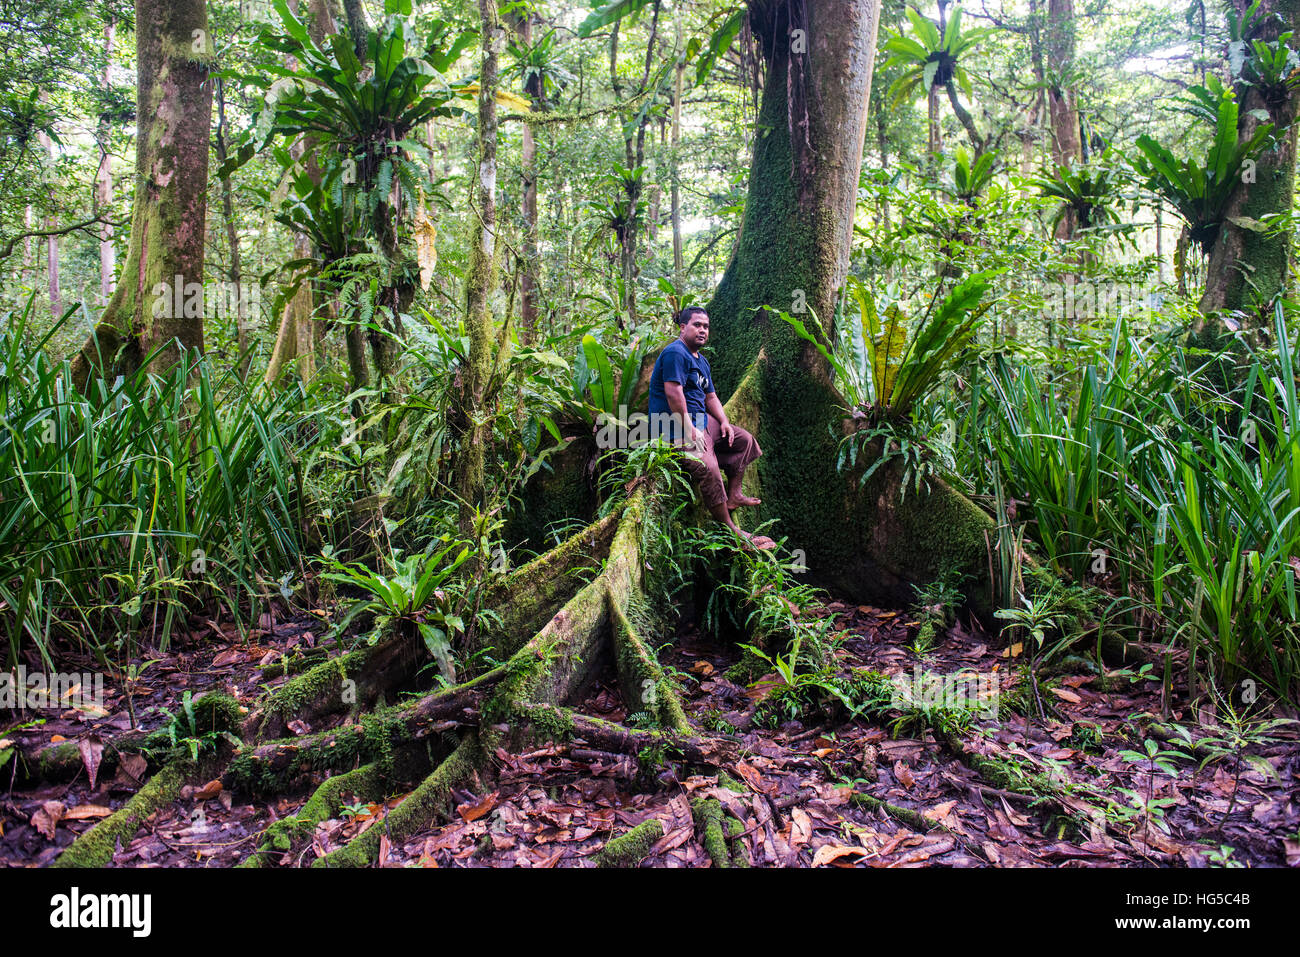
(682, 384)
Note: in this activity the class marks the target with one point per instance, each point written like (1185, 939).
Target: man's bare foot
(761, 542)
(738, 501)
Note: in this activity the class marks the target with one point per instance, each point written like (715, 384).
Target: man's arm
(715, 409)
(677, 403)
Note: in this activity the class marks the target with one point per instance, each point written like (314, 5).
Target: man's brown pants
(713, 455)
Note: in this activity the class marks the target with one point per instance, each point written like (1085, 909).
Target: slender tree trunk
(528, 292)
(51, 242)
(470, 420)
(676, 198)
(1248, 268)
(235, 272)
(1061, 105)
(159, 297)
(296, 335)
(104, 180)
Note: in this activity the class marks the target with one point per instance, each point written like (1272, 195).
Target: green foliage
(929, 60)
(417, 595)
(1190, 495)
(1200, 191)
(130, 504)
(1089, 191)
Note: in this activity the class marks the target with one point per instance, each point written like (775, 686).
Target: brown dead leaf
(1012, 652)
(473, 810)
(1292, 846)
(231, 656)
(752, 777)
(904, 775)
(830, 853)
(939, 811)
(56, 738)
(1065, 695)
(47, 818)
(209, 790)
(800, 827)
(91, 751)
(83, 812)
(298, 726)
(702, 668)
(130, 770)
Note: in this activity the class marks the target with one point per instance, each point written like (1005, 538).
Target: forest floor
(797, 789)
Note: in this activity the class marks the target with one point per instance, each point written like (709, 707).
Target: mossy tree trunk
(1062, 106)
(168, 222)
(793, 252)
(469, 420)
(1248, 267)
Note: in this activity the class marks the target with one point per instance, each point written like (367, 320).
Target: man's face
(696, 331)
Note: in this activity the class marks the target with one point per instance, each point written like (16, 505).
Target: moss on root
(366, 783)
(422, 807)
(630, 849)
(306, 692)
(95, 848)
(708, 814)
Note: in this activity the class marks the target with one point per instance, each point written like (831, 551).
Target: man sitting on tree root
(682, 384)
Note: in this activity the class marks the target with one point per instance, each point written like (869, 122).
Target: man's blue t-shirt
(676, 364)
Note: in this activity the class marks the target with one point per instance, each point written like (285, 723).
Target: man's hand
(728, 431)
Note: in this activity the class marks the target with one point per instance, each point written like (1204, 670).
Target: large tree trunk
(173, 114)
(1249, 268)
(794, 248)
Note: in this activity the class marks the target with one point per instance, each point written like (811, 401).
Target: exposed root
(427, 803)
(630, 849)
(712, 821)
(366, 783)
(95, 848)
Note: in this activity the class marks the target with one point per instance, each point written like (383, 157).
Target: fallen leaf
(1064, 695)
(84, 811)
(904, 775)
(939, 811)
(801, 827)
(229, 657)
(298, 726)
(1012, 652)
(91, 751)
(130, 770)
(46, 819)
(472, 811)
(209, 790)
(56, 738)
(702, 668)
(829, 853)
(751, 776)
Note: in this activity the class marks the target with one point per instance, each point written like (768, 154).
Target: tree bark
(235, 270)
(1248, 268)
(104, 179)
(533, 88)
(469, 421)
(793, 249)
(676, 197)
(173, 115)
(1061, 103)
